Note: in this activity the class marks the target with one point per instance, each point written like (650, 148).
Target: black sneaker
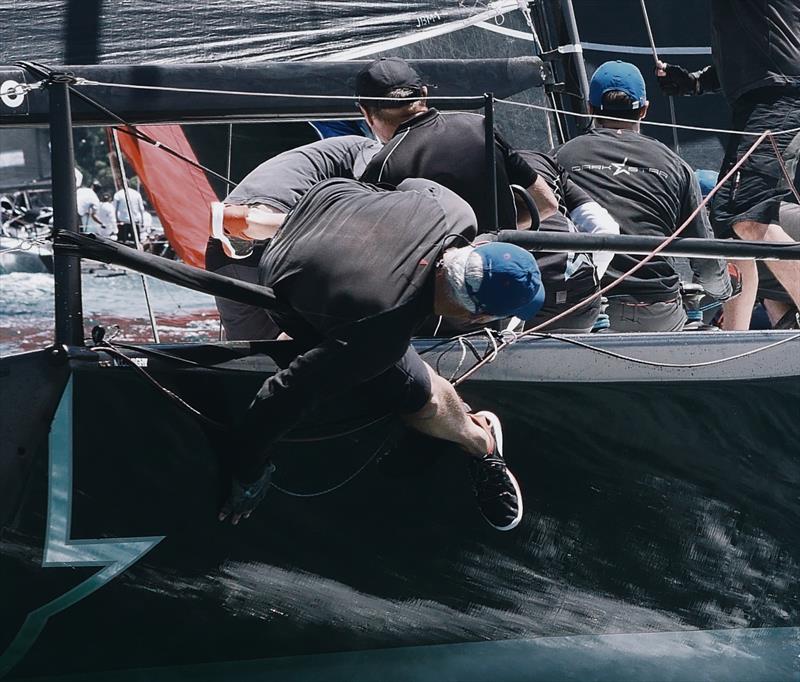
(498, 493)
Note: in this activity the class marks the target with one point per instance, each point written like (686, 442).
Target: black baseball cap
(382, 76)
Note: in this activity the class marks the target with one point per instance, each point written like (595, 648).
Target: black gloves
(245, 497)
(674, 80)
(677, 81)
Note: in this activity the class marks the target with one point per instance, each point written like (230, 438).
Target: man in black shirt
(568, 277)
(355, 268)
(447, 148)
(756, 51)
(275, 186)
(649, 190)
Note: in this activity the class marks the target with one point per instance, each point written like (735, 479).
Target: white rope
(284, 95)
(461, 342)
(791, 131)
(539, 107)
(667, 365)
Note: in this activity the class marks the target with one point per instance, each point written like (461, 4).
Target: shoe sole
(497, 431)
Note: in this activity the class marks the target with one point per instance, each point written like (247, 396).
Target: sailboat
(659, 471)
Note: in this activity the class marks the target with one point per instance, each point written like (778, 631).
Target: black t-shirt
(351, 250)
(755, 43)
(450, 149)
(567, 277)
(282, 181)
(568, 194)
(649, 190)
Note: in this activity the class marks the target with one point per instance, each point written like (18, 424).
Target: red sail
(179, 192)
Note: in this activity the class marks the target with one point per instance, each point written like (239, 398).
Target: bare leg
(444, 417)
(738, 311)
(786, 272)
(775, 310)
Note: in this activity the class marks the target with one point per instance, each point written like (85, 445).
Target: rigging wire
(135, 230)
(128, 128)
(659, 124)
(680, 126)
(336, 487)
(654, 363)
(537, 46)
(102, 345)
(25, 244)
(282, 95)
(670, 99)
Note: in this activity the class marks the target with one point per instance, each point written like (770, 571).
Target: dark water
(26, 310)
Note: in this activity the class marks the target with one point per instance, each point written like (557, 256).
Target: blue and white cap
(497, 279)
(617, 75)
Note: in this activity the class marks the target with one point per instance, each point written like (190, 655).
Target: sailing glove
(245, 497)
(675, 81)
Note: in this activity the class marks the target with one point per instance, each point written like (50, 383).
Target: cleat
(228, 224)
(496, 489)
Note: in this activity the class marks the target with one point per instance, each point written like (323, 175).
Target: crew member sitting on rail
(649, 190)
(355, 268)
(569, 278)
(275, 187)
(447, 148)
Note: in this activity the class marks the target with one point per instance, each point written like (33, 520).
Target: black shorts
(768, 286)
(756, 190)
(405, 387)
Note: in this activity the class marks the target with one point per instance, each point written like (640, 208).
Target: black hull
(652, 507)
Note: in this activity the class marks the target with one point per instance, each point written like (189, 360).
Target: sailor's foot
(228, 225)
(496, 489)
(791, 320)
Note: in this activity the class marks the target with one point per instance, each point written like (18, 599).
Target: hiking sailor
(355, 268)
(275, 186)
(649, 190)
(756, 52)
(448, 149)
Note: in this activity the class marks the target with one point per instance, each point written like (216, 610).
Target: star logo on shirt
(620, 168)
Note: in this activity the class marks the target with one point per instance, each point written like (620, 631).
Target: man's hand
(674, 80)
(245, 497)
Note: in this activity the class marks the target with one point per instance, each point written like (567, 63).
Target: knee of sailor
(750, 230)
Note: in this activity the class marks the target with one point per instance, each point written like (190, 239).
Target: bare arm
(543, 197)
